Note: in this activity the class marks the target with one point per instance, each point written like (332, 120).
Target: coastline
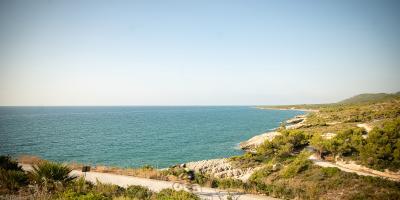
(293, 122)
(222, 168)
(292, 108)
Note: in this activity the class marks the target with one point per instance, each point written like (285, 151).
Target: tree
(319, 143)
(382, 148)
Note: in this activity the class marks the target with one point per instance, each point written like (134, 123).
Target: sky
(55, 53)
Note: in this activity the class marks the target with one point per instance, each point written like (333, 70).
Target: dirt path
(367, 127)
(353, 168)
(323, 163)
(157, 185)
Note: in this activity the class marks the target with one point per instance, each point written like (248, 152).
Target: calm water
(132, 136)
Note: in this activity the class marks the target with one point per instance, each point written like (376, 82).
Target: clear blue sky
(196, 52)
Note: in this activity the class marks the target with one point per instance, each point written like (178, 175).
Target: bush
(72, 195)
(330, 171)
(12, 180)
(80, 185)
(201, 179)
(348, 142)
(382, 148)
(299, 164)
(319, 143)
(50, 174)
(8, 164)
(108, 190)
(227, 183)
(260, 174)
(283, 145)
(138, 192)
(169, 194)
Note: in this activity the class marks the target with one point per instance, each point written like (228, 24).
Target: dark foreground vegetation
(50, 180)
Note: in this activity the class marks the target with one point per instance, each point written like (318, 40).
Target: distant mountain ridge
(369, 97)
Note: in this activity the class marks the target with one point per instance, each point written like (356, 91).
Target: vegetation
(50, 174)
(299, 164)
(138, 192)
(380, 150)
(369, 98)
(312, 182)
(382, 147)
(8, 164)
(11, 175)
(169, 194)
(50, 180)
(287, 173)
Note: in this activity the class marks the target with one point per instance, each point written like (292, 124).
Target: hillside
(362, 132)
(369, 97)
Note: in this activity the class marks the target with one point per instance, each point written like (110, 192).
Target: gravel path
(157, 185)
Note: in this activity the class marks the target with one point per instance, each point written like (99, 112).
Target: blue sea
(133, 136)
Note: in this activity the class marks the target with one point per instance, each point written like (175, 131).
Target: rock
(254, 142)
(220, 168)
(276, 167)
(294, 126)
(367, 127)
(294, 120)
(328, 136)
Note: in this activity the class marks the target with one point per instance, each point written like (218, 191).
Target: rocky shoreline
(222, 168)
(251, 144)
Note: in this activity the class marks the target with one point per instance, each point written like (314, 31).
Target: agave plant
(51, 174)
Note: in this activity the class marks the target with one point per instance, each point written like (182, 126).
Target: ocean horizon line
(211, 105)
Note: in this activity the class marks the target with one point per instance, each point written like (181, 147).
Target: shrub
(50, 174)
(80, 185)
(299, 164)
(108, 190)
(382, 148)
(12, 180)
(8, 164)
(138, 192)
(169, 194)
(149, 167)
(72, 195)
(348, 142)
(318, 142)
(260, 174)
(283, 145)
(330, 171)
(227, 183)
(201, 179)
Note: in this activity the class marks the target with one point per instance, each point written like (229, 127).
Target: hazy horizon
(170, 53)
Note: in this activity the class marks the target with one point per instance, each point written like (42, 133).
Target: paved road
(157, 185)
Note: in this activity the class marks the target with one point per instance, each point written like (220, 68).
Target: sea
(133, 136)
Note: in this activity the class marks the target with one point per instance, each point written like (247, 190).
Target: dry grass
(29, 159)
(144, 172)
(138, 172)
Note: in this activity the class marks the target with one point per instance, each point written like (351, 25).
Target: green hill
(369, 98)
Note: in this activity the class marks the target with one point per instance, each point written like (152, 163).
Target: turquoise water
(132, 136)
